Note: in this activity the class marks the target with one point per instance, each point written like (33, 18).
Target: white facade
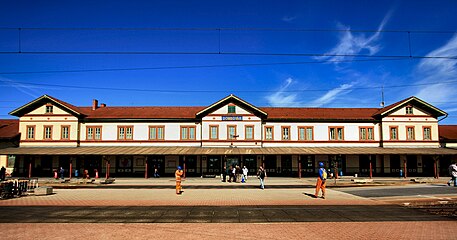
(232, 123)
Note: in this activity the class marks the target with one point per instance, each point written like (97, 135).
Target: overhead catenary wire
(214, 91)
(228, 29)
(222, 53)
(201, 66)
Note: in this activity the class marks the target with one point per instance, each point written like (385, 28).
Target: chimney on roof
(94, 104)
(102, 105)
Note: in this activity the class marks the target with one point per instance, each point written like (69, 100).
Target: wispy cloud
(450, 110)
(356, 43)
(281, 98)
(438, 70)
(27, 89)
(332, 95)
(289, 18)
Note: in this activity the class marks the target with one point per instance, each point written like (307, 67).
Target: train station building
(404, 137)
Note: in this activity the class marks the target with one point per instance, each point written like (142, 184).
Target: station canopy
(135, 150)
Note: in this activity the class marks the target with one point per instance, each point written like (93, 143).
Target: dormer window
(48, 108)
(409, 110)
(231, 109)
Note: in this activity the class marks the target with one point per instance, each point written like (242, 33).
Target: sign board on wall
(232, 118)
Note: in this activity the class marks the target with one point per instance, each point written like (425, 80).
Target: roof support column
(371, 167)
(30, 169)
(71, 167)
(435, 167)
(184, 166)
(299, 166)
(146, 175)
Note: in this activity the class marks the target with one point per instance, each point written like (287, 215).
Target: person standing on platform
(3, 173)
(156, 172)
(321, 179)
(61, 171)
(453, 174)
(261, 175)
(224, 174)
(245, 173)
(178, 175)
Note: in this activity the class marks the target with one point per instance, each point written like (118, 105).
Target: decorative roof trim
(382, 112)
(18, 112)
(230, 98)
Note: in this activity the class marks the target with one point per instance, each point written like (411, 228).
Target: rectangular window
(409, 110)
(65, 132)
(393, 133)
(156, 132)
(30, 132)
(268, 133)
(121, 133)
(336, 133)
(192, 133)
(187, 133)
(231, 131)
(366, 133)
(49, 108)
(94, 133)
(285, 133)
(98, 133)
(249, 132)
(231, 109)
(427, 133)
(129, 133)
(47, 132)
(125, 132)
(214, 132)
(305, 133)
(410, 133)
(11, 161)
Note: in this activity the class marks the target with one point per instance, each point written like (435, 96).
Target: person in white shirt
(245, 173)
(453, 174)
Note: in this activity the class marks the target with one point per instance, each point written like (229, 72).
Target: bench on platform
(362, 180)
(42, 191)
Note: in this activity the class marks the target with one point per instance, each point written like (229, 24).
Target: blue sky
(264, 48)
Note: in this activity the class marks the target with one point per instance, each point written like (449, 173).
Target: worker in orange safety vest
(320, 184)
(178, 175)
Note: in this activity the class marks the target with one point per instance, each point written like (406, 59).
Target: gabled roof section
(235, 100)
(21, 111)
(434, 111)
(9, 128)
(448, 133)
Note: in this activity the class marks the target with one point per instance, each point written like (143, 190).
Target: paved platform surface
(214, 214)
(197, 182)
(210, 210)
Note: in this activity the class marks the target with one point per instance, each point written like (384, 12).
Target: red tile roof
(9, 128)
(190, 113)
(170, 112)
(447, 132)
(141, 112)
(321, 113)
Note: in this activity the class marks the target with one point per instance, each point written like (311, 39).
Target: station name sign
(232, 118)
